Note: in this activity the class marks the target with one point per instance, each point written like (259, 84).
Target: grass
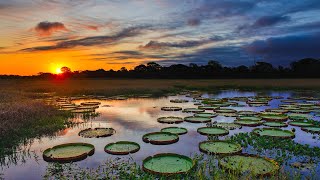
(132, 86)
(23, 118)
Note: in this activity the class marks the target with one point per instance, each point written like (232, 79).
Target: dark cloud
(193, 22)
(265, 21)
(156, 45)
(46, 28)
(91, 41)
(286, 48)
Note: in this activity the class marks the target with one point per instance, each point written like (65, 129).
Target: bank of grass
(23, 118)
(157, 86)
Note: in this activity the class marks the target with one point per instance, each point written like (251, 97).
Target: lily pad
(194, 119)
(179, 101)
(230, 126)
(70, 152)
(122, 148)
(193, 110)
(170, 120)
(257, 166)
(171, 108)
(275, 124)
(213, 131)
(220, 147)
(175, 130)
(249, 118)
(167, 164)
(97, 132)
(274, 132)
(311, 129)
(274, 116)
(90, 103)
(248, 123)
(160, 138)
(300, 123)
(209, 115)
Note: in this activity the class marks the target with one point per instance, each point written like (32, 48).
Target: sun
(58, 71)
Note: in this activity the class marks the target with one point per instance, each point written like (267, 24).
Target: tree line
(304, 68)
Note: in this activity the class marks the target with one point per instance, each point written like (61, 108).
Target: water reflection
(132, 118)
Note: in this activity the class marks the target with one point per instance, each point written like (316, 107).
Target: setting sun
(58, 71)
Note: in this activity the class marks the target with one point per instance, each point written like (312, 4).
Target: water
(132, 119)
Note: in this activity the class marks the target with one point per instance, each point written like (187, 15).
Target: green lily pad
(300, 123)
(193, 119)
(122, 148)
(274, 132)
(160, 138)
(171, 108)
(249, 118)
(219, 147)
(97, 132)
(209, 115)
(193, 110)
(229, 126)
(275, 124)
(70, 152)
(167, 164)
(170, 120)
(248, 123)
(311, 129)
(255, 165)
(175, 130)
(179, 101)
(213, 131)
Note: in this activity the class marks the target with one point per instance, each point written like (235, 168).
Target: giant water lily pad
(160, 138)
(297, 116)
(249, 118)
(209, 107)
(247, 113)
(122, 148)
(90, 103)
(219, 147)
(312, 129)
(175, 130)
(274, 132)
(194, 119)
(248, 123)
(229, 126)
(213, 131)
(254, 165)
(179, 101)
(275, 124)
(225, 110)
(96, 132)
(208, 115)
(170, 120)
(300, 123)
(68, 152)
(193, 110)
(273, 116)
(167, 164)
(171, 108)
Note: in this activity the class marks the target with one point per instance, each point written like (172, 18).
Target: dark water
(132, 119)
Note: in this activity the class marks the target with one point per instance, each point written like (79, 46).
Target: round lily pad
(82, 110)
(311, 129)
(230, 126)
(213, 131)
(167, 164)
(219, 147)
(248, 123)
(249, 118)
(274, 132)
(208, 107)
(209, 115)
(297, 116)
(275, 124)
(300, 111)
(175, 130)
(70, 152)
(96, 132)
(225, 110)
(179, 101)
(257, 166)
(282, 111)
(194, 119)
(122, 148)
(90, 103)
(160, 138)
(171, 108)
(273, 116)
(170, 120)
(300, 123)
(193, 110)
(247, 113)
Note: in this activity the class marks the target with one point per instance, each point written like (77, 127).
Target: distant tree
(263, 67)
(140, 68)
(65, 70)
(214, 66)
(242, 69)
(307, 65)
(153, 67)
(123, 69)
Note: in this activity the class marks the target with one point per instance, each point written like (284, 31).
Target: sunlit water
(132, 119)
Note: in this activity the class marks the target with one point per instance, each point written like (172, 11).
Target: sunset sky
(43, 35)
